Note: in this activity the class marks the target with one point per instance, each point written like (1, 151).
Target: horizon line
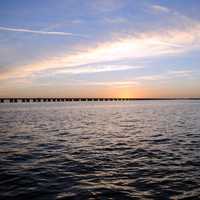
(67, 99)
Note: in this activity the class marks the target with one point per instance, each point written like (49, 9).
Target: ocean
(100, 150)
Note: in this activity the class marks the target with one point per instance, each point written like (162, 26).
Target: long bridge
(35, 100)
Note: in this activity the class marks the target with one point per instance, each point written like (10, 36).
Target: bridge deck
(28, 100)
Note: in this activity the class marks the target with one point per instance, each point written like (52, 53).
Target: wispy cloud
(169, 75)
(2, 28)
(159, 8)
(140, 80)
(118, 84)
(180, 73)
(140, 46)
(96, 69)
(111, 83)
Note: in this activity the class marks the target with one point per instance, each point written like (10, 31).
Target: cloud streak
(169, 75)
(2, 28)
(96, 69)
(136, 46)
(140, 80)
(159, 8)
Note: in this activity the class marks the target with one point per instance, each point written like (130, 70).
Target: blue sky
(100, 48)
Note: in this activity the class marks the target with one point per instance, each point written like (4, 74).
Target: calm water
(102, 150)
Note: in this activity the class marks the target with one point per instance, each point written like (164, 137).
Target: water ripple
(104, 150)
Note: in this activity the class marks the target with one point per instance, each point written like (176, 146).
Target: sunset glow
(134, 53)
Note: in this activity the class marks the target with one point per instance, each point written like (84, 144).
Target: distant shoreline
(40, 99)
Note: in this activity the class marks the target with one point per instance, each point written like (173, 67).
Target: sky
(100, 48)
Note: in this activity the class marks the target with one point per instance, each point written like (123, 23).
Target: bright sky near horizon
(99, 48)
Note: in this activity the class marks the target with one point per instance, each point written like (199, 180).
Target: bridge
(35, 100)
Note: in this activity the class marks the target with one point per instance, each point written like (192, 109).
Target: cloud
(95, 69)
(159, 8)
(180, 73)
(137, 80)
(111, 83)
(2, 28)
(136, 46)
(151, 77)
(171, 74)
(140, 80)
(118, 84)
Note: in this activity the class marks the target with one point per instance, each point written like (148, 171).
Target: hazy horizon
(100, 48)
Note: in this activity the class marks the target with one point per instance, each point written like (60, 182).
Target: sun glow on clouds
(109, 52)
(136, 46)
(95, 69)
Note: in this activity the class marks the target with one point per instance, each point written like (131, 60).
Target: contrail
(2, 28)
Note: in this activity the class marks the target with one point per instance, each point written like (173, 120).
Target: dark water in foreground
(102, 150)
